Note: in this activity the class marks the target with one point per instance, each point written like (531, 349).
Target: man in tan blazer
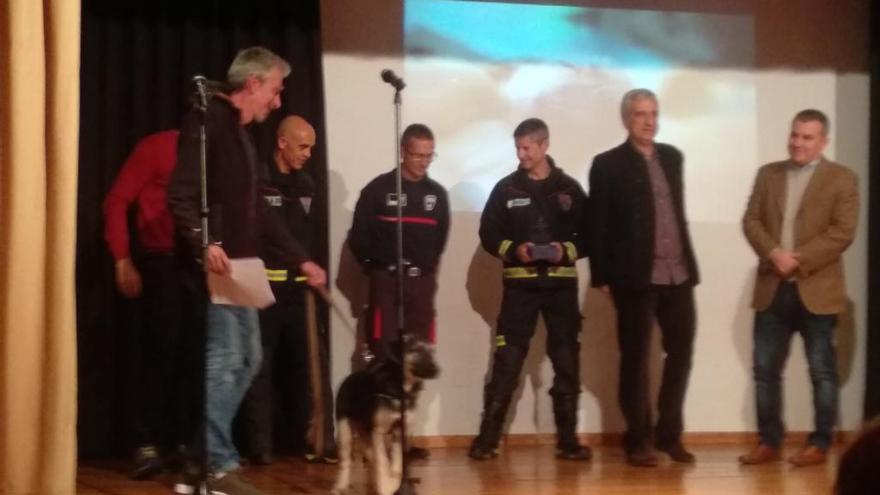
(801, 216)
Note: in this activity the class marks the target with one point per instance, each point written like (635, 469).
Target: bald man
(289, 191)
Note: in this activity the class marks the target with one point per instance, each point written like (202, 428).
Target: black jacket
(622, 240)
(372, 237)
(521, 210)
(291, 196)
(240, 220)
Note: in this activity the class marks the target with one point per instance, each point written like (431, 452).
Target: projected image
(475, 69)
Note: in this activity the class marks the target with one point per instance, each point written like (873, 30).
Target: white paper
(246, 285)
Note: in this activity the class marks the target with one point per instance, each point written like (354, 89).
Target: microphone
(391, 78)
(201, 83)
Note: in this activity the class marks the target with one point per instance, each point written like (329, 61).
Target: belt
(408, 270)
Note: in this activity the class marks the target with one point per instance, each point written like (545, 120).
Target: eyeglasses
(423, 156)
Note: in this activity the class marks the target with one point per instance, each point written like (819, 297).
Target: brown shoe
(760, 454)
(808, 456)
(643, 457)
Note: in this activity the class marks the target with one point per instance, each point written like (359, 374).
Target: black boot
(565, 414)
(147, 462)
(485, 446)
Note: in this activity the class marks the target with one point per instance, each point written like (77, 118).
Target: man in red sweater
(148, 270)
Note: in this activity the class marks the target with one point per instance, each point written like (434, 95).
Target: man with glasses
(372, 240)
(373, 235)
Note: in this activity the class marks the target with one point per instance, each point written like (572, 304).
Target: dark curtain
(872, 379)
(138, 60)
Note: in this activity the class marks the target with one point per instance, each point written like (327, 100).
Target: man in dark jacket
(240, 224)
(425, 227)
(290, 191)
(534, 221)
(641, 254)
(425, 218)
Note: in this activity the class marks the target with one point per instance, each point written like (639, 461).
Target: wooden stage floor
(520, 470)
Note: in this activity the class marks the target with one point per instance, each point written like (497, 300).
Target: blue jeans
(233, 353)
(773, 330)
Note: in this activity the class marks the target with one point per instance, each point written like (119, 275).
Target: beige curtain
(39, 129)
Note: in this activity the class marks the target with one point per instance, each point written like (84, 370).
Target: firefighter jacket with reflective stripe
(291, 197)
(425, 216)
(521, 210)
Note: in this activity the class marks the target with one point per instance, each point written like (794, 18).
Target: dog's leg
(384, 425)
(344, 438)
(381, 477)
(410, 421)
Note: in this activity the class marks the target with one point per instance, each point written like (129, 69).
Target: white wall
(361, 145)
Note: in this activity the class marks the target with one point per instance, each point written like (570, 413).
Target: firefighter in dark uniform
(534, 221)
(372, 240)
(289, 190)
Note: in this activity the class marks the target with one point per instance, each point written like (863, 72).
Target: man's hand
(315, 275)
(128, 279)
(216, 260)
(522, 252)
(605, 289)
(784, 262)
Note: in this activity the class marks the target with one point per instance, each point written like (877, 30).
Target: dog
(368, 407)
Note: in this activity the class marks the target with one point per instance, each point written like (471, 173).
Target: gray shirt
(797, 177)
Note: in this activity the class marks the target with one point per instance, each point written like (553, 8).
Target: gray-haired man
(239, 223)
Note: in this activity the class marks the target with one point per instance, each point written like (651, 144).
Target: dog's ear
(412, 343)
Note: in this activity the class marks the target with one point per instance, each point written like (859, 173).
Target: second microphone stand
(406, 483)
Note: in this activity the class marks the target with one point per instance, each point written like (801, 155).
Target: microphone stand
(201, 482)
(406, 484)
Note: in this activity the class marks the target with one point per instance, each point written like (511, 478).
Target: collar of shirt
(647, 156)
(809, 166)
